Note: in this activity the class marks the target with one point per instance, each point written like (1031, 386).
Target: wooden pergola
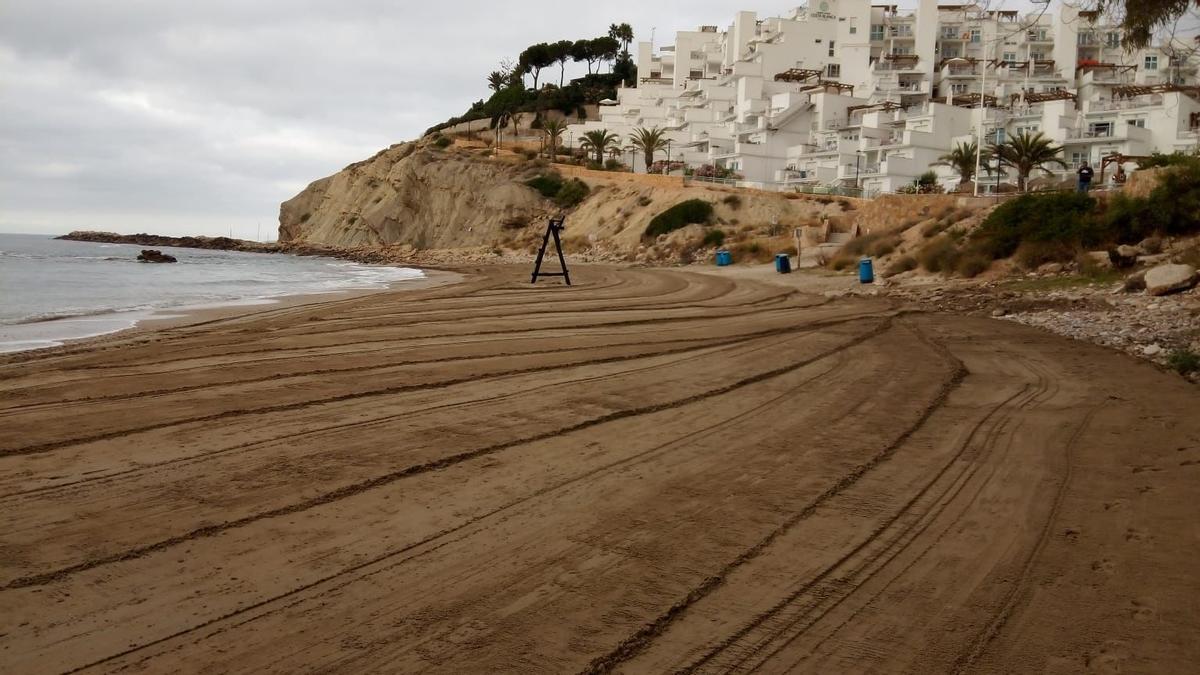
(883, 107)
(1115, 67)
(971, 60)
(1040, 64)
(1132, 90)
(1043, 96)
(972, 101)
(831, 87)
(798, 75)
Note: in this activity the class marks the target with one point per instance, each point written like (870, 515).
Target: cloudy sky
(176, 116)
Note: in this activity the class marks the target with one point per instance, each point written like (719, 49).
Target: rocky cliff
(415, 194)
(419, 197)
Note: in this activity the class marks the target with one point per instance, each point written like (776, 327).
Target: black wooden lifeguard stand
(552, 230)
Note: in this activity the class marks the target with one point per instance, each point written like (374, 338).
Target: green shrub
(613, 165)
(571, 193)
(442, 142)
(733, 201)
(644, 201)
(713, 238)
(529, 154)
(860, 246)
(1127, 219)
(843, 261)
(1053, 217)
(693, 211)
(903, 264)
(1176, 200)
(972, 264)
(884, 247)
(939, 255)
(548, 184)
(1033, 254)
(1184, 361)
(1176, 158)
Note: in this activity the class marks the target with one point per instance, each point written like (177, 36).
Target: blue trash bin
(724, 258)
(866, 271)
(783, 264)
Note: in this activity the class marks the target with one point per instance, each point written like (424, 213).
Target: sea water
(52, 290)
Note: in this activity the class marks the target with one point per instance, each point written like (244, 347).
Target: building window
(1078, 157)
(976, 36)
(1112, 40)
(1030, 129)
(1140, 123)
(1100, 129)
(1011, 57)
(853, 30)
(876, 32)
(952, 53)
(1152, 62)
(958, 88)
(833, 70)
(1037, 56)
(831, 43)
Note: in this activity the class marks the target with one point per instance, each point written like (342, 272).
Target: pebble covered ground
(1154, 328)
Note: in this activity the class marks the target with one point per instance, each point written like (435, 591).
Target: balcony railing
(1090, 133)
(1128, 104)
(894, 66)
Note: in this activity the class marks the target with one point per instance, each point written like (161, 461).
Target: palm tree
(963, 158)
(649, 141)
(599, 142)
(622, 33)
(497, 80)
(1026, 152)
(554, 129)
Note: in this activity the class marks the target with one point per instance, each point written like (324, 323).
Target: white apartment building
(842, 93)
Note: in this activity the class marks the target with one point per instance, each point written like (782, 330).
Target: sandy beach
(652, 471)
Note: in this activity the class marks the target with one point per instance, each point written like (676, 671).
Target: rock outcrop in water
(209, 243)
(151, 256)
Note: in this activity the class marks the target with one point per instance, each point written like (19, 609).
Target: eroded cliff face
(417, 195)
(413, 194)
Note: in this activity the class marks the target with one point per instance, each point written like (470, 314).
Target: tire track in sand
(385, 391)
(424, 544)
(433, 465)
(635, 643)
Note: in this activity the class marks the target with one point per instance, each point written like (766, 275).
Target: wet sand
(652, 471)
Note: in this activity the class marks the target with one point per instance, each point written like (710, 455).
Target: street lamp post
(667, 170)
(997, 161)
(857, 173)
(632, 159)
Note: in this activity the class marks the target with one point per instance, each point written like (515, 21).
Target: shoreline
(128, 323)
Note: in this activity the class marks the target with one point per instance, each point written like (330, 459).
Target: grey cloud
(196, 117)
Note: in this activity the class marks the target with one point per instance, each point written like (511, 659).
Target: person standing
(1085, 177)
